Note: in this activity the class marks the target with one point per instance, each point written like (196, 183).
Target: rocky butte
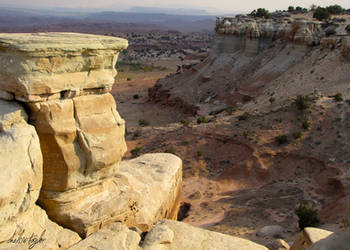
(61, 148)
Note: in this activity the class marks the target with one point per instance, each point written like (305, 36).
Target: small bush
(144, 123)
(291, 9)
(136, 96)
(136, 151)
(199, 153)
(335, 9)
(245, 134)
(303, 102)
(185, 122)
(321, 14)
(170, 150)
(128, 79)
(338, 97)
(307, 215)
(297, 135)
(306, 125)
(272, 99)
(202, 119)
(261, 12)
(244, 116)
(281, 139)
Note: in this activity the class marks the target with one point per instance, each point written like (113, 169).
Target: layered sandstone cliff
(61, 136)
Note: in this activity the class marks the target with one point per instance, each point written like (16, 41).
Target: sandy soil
(236, 177)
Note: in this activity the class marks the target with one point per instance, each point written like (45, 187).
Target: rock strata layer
(41, 66)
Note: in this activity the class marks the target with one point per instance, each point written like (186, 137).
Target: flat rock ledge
(46, 66)
(144, 190)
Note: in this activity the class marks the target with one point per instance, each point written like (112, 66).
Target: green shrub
(297, 135)
(144, 123)
(136, 96)
(170, 150)
(202, 119)
(244, 116)
(199, 153)
(245, 134)
(338, 97)
(261, 12)
(291, 9)
(335, 9)
(281, 139)
(272, 99)
(306, 125)
(321, 14)
(307, 215)
(128, 79)
(136, 151)
(185, 122)
(303, 102)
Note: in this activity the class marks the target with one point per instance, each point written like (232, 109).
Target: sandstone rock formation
(308, 237)
(22, 223)
(63, 80)
(177, 235)
(338, 241)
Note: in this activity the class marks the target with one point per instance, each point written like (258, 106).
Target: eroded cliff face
(248, 54)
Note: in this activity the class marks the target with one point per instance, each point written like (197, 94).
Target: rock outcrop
(338, 241)
(73, 155)
(22, 223)
(177, 235)
(308, 237)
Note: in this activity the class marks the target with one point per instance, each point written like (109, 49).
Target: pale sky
(220, 5)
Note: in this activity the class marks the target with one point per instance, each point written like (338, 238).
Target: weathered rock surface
(346, 220)
(82, 140)
(22, 223)
(297, 30)
(114, 237)
(41, 66)
(278, 244)
(145, 190)
(335, 241)
(178, 235)
(21, 163)
(271, 231)
(309, 236)
(35, 229)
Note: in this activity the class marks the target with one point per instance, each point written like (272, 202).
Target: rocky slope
(62, 141)
(238, 175)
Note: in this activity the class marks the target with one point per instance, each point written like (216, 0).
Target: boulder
(24, 225)
(270, 231)
(309, 236)
(33, 230)
(40, 66)
(82, 140)
(21, 163)
(144, 190)
(278, 244)
(335, 241)
(168, 234)
(114, 237)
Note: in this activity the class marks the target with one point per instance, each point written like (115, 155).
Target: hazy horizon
(220, 6)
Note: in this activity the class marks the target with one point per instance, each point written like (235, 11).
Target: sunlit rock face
(63, 81)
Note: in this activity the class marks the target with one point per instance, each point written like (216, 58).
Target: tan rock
(82, 140)
(278, 244)
(178, 235)
(145, 190)
(21, 163)
(335, 241)
(36, 66)
(33, 230)
(309, 236)
(115, 237)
